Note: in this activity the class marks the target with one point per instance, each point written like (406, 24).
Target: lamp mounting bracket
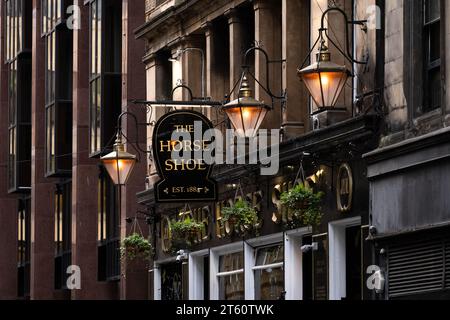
(323, 33)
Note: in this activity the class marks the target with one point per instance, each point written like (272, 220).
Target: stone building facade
(408, 173)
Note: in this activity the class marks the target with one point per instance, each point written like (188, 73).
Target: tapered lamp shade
(324, 79)
(246, 113)
(119, 164)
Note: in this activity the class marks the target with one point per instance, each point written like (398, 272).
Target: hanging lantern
(119, 164)
(246, 113)
(324, 79)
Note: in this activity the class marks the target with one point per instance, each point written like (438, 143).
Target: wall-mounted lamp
(119, 164)
(325, 79)
(246, 113)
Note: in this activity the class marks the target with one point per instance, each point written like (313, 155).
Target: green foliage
(241, 215)
(304, 204)
(134, 247)
(185, 229)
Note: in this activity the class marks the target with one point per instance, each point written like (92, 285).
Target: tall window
(24, 246)
(18, 58)
(432, 54)
(63, 232)
(105, 71)
(58, 86)
(231, 277)
(269, 273)
(108, 230)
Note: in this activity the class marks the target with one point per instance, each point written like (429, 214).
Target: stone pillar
(42, 194)
(189, 67)
(337, 27)
(268, 35)
(295, 22)
(217, 72)
(133, 279)
(8, 203)
(237, 47)
(85, 176)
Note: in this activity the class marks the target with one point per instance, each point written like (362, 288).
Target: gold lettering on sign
(282, 214)
(344, 188)
(166, 236)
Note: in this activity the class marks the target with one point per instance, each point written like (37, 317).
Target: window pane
(19, 26)
(93, 26)
(434, 89)
(93, 109)
(435, 42)
(269, 282)
(231, 287)
(99, 35)
(432, 10)
(98, 115)
(231, 262)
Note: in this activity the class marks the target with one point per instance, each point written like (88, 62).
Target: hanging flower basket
(184, 232)
(241, 215)
(305, 205)
(135, 247)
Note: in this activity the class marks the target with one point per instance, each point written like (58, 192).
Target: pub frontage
(327, 114)
(279, 259)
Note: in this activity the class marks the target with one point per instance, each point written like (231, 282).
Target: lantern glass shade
(246, 113)
(325, 82)
(119, 165)
(246, 116)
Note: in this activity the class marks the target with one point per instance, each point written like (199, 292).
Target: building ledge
(409, 146)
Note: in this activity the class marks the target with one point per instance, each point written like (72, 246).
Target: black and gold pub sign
(186, 176)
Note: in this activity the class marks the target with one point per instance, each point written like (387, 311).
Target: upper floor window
(108, 229)
(105, 56)
(58, 86)
(423, 55)
(432, 55)
(231, 276)
(17, 43)
(24, 247)
(63, 232)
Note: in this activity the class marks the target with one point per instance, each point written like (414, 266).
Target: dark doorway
(353, 263)
(172, 282)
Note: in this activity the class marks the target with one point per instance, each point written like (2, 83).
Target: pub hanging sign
(179, 147)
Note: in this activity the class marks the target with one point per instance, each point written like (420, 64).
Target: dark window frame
(416, 53)
(58, 87)
(17, 43)
(430, 65)
(108, 229)
(24, 247)
(63, 232)
(105, 79)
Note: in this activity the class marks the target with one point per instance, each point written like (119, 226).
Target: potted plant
(135, 247)
(185, 231)
(304, 204)
(241, 215)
